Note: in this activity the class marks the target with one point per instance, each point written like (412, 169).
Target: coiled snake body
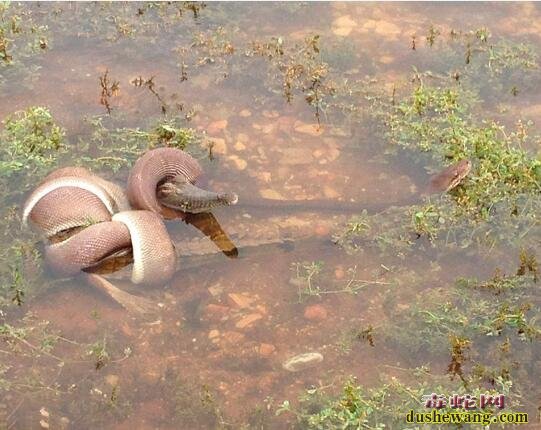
(106, 220)
(103, 221)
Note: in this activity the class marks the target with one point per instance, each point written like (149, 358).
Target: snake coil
(107, 220)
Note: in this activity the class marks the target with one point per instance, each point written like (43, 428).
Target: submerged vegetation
(306, 280)
(499, 199)
(21, 38)
(473, 326)
(119, 147)
(31, 145)
(386, 406)
(502, 305)
(19, 35)
(439, 120)
(31, 141)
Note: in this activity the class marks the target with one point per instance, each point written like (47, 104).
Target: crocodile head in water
(450, 177)
(180, 194)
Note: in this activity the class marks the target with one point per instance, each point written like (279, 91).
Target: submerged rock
(343, 26)
(215, 313)
(216, 126)
(342, 31)
(302, 361)
(269, 193)
(315, 313)
(239, 146)
(112, 380)
(266, 349)
(294, 156)
(240, 300)
(240, 163)
(344, 21)
(310, 129)
(248, 320)
(271, 114)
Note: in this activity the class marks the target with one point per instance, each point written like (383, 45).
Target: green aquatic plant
(355, 335)
(120, 147)
(22, 270)
(212, 46)
(31, 140)
(114, 23)
(299, 68)
(17, 287)
(108, 90)
(193, 403)
(426, 220)
(356, 406)
(19, 35)
(528, 264)
(501, 194)
(21, 40)
(439, 120)
(357, 226)
(99, 352)
(431, 36)
(305, 275)
(308, 281)
(505, 55)
(168, 133)
(501, 283)
(32, 143)
(392, 231)
(484, 330)
(471, 310)
(479, 61)
(31, 342)
(32, 338)
(515, 317)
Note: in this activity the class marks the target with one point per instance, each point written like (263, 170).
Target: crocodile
(279, 229)
(245, 235)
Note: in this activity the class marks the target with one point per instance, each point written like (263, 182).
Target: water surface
(212, 356)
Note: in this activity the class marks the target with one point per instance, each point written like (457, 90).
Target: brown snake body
(104, 221)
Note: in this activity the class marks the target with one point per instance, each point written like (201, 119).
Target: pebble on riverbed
(343, 26)
(315, 313)
(241, 300)
(240, 163)
(266, 349)
(215, 313)
(302, 361)
(248, 320)
(216, 127)
(310, 129)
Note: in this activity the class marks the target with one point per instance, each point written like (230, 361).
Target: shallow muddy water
(290, 102)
